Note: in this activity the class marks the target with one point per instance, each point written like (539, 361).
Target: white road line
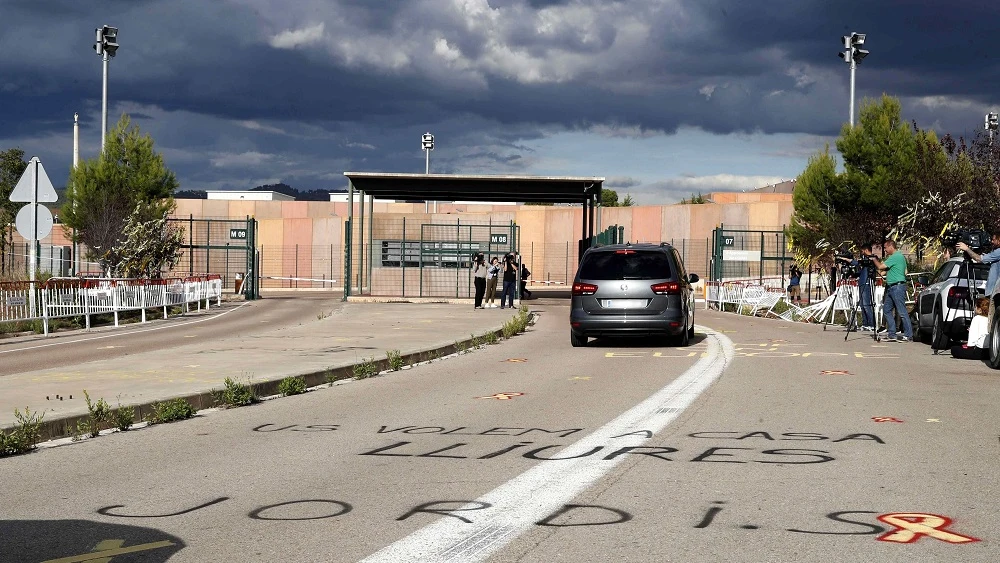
(516, 505)
(128, 333)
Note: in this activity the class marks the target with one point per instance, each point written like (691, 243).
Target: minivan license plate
(624, 303)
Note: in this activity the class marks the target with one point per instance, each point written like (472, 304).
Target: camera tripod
(858, 308)
(966, 304)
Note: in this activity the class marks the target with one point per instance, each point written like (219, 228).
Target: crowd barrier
(752, 298)
(74, 297)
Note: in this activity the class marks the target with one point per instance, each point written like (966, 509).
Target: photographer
(993, 259)
(794, 284)
(864, 267)
(894, 267)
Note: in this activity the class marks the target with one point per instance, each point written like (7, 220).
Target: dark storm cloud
(237, 90)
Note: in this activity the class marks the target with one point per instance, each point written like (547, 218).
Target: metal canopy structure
(585, 190)
(461, 187)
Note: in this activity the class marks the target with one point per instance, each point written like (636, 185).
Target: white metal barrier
(73, 297)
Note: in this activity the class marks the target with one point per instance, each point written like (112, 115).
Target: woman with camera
(509, 281)
(479, 269)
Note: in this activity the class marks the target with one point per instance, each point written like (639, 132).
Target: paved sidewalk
(354, 332)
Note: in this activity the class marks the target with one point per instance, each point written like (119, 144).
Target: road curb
(65, 427)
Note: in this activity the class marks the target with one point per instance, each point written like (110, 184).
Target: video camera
(976, 239)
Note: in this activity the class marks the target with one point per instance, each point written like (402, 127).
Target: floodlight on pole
(853, 54)
(992, 123)
(427, 143)
(106, 45)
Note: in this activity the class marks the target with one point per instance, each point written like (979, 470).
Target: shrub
(236, 394)
(395, 360)
(461, 347)
(98, 416)
(477, 342)
(365, 369)
(491, 338)
(292, 386)
(24, 436)
(124, 417)
(169, 411)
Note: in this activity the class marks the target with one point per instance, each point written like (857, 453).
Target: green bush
(124, 417)
(169, 411)
(491, 338)
(461, 347)
(332, 376)
(24, 436)
(236, 394)
(98, 417)
(366, 369)
(292, 386)
(395, 360)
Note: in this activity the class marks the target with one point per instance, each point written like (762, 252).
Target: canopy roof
(465, 187)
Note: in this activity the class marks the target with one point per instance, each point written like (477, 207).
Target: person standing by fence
(479, 270)
(509, 281)
(492, 275)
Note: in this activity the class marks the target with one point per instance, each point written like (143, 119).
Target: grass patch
(169, 411)
(24, 436)
(395, 360)
(461, 347)
(491, 338)
(292, 386)
(332, 376)
(365, 369)
(235, 394)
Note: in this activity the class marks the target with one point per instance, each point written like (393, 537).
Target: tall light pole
(427, 142)
(106, 46)
(853, 54)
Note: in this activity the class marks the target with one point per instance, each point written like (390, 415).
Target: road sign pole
(33, 253)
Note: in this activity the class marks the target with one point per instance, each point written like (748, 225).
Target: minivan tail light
(624, 252)
(666, 288)
(584, 289)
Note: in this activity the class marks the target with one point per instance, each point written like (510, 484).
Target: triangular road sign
(22, 191)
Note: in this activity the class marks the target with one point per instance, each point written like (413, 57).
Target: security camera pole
(427, 142)
(853, 54)
(106, 46)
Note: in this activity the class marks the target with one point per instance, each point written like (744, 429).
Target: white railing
(74, 297)
(754, 299)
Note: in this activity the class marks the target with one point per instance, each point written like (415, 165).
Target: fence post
(45, 312)
(86, 303)
(115, 300)
(402, 256)
(142, 301)
(296, 266)
(164, 295)
(566, 276)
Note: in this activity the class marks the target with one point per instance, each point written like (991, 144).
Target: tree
(695, 200)
(12, 166)
(880, 165)
(815, 201)
(609, 198)
(628, 201)
(129, 177)
(147, 247)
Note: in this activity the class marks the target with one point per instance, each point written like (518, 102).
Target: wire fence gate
(222, 246)
(739, 254)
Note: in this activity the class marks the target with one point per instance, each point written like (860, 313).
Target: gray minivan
(632, 290)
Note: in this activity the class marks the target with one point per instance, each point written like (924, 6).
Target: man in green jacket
(894, 267)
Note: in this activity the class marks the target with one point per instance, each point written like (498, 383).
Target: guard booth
(434, 259)
(221, 246)
(750, 255)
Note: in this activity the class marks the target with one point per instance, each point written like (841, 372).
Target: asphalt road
(764, 441)
(70, 348)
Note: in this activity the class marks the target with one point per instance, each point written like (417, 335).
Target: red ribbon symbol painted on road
(885, 419)
(911, 526)
(502, 396)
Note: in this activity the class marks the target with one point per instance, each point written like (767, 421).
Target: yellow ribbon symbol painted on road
(107, 549)
(910, 526)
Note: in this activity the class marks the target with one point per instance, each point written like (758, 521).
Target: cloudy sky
(661, 97)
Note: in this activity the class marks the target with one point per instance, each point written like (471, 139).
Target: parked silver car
(943, 309)
(632, 290)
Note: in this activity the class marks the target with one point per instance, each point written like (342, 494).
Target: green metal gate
(221, 246)
(739, 254)
(444, 254)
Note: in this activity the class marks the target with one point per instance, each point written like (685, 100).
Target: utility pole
(106, 46)
(853, 54)
(427, 143)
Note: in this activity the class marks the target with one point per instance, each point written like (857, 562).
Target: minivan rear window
(630, 265)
